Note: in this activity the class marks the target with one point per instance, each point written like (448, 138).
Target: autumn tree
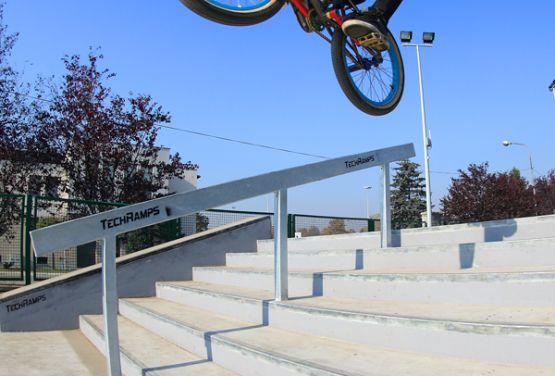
(477, 195)
(511, 196)
(336, 226)
(107, 143)
(544, 188)
(311, 231)
(407, 196)
(23, 150)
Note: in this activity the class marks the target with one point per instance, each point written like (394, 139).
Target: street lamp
(367, 188)
(427, 39)
(509, 143)
(552, 88)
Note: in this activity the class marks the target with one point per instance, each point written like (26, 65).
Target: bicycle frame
(304, 11)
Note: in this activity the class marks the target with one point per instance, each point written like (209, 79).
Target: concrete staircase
(461, 305)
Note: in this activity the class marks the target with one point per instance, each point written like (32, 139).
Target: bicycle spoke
(371, 72)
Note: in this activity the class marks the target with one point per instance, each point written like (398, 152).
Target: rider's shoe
(368, 31)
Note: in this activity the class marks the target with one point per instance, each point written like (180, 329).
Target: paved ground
(49, 354)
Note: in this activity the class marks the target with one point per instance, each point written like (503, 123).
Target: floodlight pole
(425, 139)
(532, 174)
(367, 189)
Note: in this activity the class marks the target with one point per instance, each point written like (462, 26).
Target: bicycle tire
(390, 92)
(234, 16)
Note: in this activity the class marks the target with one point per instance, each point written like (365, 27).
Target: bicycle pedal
(374, 41)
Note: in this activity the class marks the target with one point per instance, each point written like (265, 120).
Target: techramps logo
(130, 217)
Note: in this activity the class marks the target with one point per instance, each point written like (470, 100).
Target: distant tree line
(479, 195)
(474, 195)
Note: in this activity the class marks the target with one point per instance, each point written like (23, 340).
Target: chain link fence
(301, 225)
(21, 214)
(47, 211)
(11, 236)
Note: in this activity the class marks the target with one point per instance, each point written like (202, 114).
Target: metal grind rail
(107, 225)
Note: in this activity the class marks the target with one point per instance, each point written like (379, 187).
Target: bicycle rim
(241, 6)
(375, 77)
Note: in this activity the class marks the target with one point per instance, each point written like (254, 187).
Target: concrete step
(526, 334)
(213, 297)
(529, 253)
(522, 287)
(251, 349)
(501, 230)
(144, 353)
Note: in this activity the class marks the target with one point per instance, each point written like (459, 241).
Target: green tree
(407, 196)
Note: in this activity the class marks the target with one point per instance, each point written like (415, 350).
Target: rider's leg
(370, 27)
(386, 8)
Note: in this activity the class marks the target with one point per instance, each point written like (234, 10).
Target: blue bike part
(240, 5)
(376, 82)
(372, 81)
(235, 12)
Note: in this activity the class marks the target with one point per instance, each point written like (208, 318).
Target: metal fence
(11, 236)
(20, 214)
(312, 225)
(47, 211)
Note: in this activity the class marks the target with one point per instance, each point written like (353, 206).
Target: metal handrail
(107, 225)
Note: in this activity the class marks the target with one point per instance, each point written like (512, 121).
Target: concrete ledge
(511, 288)
(243, 357)
(478, 232)
(56, 304)
(256, 310)
(512, 253)
(309, 349)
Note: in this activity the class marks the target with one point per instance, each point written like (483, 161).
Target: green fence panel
(314, 225)
(21, 214)
(48, 211)
(12, 237)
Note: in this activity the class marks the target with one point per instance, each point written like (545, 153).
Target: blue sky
(485, 80)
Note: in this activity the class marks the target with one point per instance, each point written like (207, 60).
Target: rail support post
(280, 245)
(385, 232)
(110, 306)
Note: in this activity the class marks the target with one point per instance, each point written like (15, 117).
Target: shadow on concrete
(208, 337)
(396, 238)
(493, 232)
(317, 284)
(466, 255)
(359, 259)
(498, 233)
(266, 312)
(496, 230)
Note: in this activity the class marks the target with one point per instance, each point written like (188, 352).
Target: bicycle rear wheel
(235, 12)
(372, 81)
